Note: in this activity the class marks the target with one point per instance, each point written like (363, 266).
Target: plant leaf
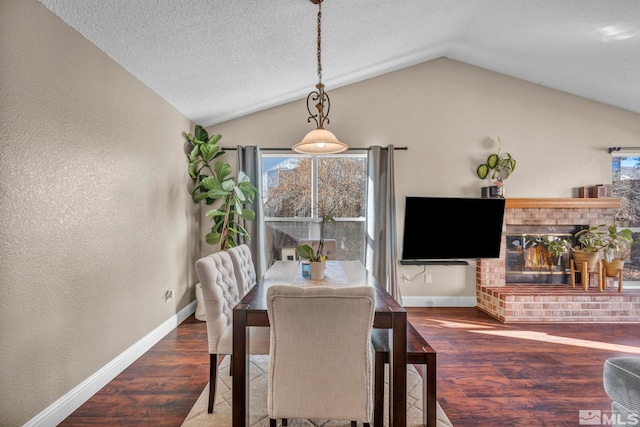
(483, 171)
(201, 133)
(213, 238)
(222, 169)
(211, 183)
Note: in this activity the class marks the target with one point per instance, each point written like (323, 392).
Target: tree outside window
(299, 189)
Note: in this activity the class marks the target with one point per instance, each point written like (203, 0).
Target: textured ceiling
(215, 60)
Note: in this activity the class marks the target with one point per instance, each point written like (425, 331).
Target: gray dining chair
(220, 294)
(244, 268)
(320, 360)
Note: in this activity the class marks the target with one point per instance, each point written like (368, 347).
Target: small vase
(317, 270)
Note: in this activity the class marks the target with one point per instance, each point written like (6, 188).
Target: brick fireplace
(527, 302)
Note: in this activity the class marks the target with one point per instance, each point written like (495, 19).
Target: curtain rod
(616, 149)
(289, 149)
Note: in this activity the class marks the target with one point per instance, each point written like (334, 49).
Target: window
(297, 189)
(626, 187)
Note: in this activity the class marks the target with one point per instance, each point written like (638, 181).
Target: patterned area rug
(198, 417)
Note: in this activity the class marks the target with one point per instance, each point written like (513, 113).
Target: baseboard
(63, 407)
(427, 301)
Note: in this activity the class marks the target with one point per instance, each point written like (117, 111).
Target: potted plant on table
(500, 165)
(317, 257)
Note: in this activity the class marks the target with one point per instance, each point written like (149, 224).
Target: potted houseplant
(317, 257)
(214, 183)
(593, 240)
(617, 249)
(500, 165)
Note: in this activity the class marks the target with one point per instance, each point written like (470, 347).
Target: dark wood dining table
(252, 311)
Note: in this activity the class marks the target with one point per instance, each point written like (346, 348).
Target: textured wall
(449, 114)
(96, 222)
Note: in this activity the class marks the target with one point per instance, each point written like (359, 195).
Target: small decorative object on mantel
(501, 165)
(595, 191)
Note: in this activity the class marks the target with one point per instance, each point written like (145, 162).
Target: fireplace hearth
(512, 294)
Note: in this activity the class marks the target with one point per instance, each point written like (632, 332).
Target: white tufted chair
(244, 268)
(330, 246)
(320, 362)
(220, 295)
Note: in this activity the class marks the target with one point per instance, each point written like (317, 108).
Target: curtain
(248, 161)
(380, 251)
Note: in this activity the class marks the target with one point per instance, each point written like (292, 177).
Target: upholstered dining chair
(320, 358)
(330, 247)
(244, 268)
(220, 294)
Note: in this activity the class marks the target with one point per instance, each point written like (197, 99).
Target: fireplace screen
(538, 254)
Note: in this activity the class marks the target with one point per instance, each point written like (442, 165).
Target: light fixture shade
(320, 141)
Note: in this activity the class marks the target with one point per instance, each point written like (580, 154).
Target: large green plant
(214, 183)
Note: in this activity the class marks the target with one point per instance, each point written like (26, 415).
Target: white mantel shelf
(559, 203)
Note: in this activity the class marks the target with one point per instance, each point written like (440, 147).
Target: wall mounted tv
(448, 228)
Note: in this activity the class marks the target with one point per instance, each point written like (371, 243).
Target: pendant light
(320, 140)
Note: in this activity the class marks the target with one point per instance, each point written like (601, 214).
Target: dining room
(100, 234)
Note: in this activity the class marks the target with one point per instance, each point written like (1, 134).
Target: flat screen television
(449, 228)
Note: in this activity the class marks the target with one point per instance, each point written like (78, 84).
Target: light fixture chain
(320, 42)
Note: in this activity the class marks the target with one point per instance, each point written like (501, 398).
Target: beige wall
(449, 115)
(96, 220)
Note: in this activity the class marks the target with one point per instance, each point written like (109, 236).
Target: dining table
(252, 311)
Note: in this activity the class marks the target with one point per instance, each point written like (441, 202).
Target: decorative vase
(592, 258)
(317, 270)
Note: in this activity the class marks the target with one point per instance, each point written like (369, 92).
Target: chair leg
(354, 424)
(378, 390)
(273, 422)
(213, 375)
(231, 365)
(285, 422)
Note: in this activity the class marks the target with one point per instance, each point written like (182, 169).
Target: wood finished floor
(489, 374)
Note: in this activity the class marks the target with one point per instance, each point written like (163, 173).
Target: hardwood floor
(489, 373)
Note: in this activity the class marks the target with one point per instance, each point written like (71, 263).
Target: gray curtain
(249, 162)
(380, 251)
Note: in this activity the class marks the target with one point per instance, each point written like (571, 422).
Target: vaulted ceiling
(216, 60)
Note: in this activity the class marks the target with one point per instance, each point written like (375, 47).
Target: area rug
(198, 417)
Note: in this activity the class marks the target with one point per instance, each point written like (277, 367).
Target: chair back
(244, 268)
(220, 294)
(330, 247)
(320, 359)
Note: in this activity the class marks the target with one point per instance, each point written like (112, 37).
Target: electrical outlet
(427, 278)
